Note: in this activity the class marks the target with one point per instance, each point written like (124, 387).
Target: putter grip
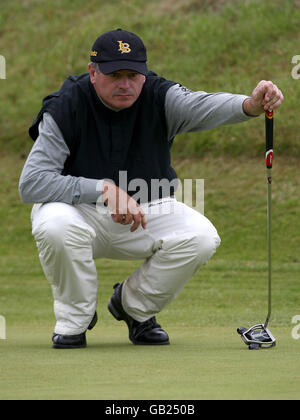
(269, 121)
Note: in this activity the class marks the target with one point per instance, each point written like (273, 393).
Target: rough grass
(209, 45)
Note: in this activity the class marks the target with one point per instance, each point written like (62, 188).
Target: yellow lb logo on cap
(94, 53)
(124, 47)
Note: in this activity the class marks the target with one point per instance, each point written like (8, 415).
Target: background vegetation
(211, 45)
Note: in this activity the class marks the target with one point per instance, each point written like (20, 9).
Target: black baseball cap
(119, 50)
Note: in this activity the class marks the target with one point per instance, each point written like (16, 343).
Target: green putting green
(201, 363)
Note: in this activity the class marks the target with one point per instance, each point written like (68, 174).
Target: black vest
(103, 142)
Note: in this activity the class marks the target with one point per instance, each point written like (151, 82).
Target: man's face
(118, 90)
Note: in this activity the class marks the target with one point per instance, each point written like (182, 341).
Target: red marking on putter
(269, 114)
(269, 158)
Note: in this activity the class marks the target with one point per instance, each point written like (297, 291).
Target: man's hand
(125, 210)
(265, 96)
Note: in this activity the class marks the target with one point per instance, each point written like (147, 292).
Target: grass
(210, 45)
(207, 363)
(206, 359)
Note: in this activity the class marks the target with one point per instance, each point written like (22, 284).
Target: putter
(259, 336)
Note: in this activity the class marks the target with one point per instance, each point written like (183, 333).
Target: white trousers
(70, 237)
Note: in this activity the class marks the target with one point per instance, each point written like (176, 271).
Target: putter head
(257, 337)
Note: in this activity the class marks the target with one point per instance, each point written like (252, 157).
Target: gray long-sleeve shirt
(42, 181)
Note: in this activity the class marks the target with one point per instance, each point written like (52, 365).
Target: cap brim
(112, 66)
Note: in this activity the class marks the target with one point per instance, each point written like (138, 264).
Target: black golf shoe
(73, 341)
(141, 333)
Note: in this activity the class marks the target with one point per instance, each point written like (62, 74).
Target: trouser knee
(60, 232)
(204, 246)
(197, 247)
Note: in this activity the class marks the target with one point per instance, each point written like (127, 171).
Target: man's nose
(124, 83)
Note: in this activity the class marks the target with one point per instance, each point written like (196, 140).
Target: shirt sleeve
(189, 111)
(42, 181)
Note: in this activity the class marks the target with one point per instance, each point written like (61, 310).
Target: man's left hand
(266, 96)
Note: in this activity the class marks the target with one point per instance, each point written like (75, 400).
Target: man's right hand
(125, 210)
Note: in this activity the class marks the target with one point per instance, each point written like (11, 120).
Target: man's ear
(92, 72)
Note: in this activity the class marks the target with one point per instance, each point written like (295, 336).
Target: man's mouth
(123, 95)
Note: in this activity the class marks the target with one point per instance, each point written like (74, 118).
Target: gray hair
(95, 66)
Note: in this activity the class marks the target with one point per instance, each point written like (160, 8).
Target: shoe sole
(65, 347)
(163, 343)
(112, 309)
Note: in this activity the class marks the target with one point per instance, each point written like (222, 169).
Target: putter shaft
(269, 162)
(269, 234)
